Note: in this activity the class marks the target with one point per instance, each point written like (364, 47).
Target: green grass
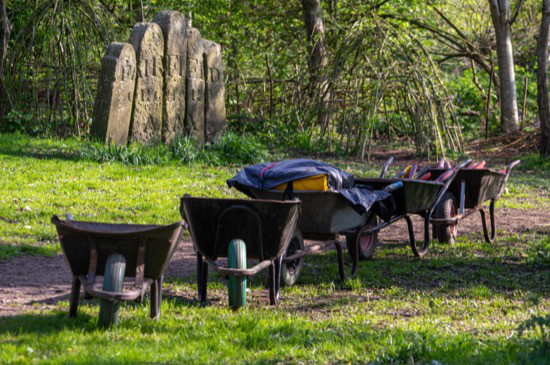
(472, 303)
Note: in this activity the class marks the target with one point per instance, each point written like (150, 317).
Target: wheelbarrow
(115, 251)
(473, 187)
(417, 197)
(239, 229)
(326, 215)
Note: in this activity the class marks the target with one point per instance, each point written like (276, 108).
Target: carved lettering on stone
(195, 86)
(115, 94)
(148, 43)
(214, 108)
(174, 29)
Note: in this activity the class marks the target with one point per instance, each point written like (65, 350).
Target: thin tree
(318, 59)
(502, 22)
(542, 80)
(5, 30)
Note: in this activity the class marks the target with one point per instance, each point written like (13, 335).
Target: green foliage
(19, 121)
(535, 162)
(540, 325)
(230, 149)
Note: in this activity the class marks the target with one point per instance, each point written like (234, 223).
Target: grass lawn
(459, 305)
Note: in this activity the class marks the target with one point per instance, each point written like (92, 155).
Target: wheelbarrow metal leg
(156, 298)
(341, 268)
(488, 238)
(202, 277)
(416, 251)
(354, 253)
(199, 274)
(75, 294)
(272, 294)
(275, 280)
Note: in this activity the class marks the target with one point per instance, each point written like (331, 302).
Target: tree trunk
(5, 30)
(500, 14)
(542, 80)
(318, 60)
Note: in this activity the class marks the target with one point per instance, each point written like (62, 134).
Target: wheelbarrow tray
(277, 222)
(323, 212)
(480, 185)
(416, 196)
(160, 244)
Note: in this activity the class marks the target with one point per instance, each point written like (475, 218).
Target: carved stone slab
(174, 29)
(148, 43)
(214, 109)
(115, 94)
(195, 86)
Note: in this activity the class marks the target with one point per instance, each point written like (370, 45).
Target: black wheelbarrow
(325, 216)
(472, 187)
(116, 251)
(239, 229)
(416, 197)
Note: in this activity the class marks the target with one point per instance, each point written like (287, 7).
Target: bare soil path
(38, 283)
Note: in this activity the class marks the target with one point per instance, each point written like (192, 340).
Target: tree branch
(516, 12)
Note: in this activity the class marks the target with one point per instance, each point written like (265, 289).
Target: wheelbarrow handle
(385, 167)
(511, 165)
(447, 184)
(456, 170)
(509, 168)
(463, 164)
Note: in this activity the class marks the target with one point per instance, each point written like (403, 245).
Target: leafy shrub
(231, 149)
(18, 121)
(534, 162)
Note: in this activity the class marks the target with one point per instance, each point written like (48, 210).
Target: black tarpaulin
(266, 176)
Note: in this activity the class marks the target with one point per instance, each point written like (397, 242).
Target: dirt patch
(39, 283)
(510, 221)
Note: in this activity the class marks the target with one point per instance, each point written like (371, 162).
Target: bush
(231, 149)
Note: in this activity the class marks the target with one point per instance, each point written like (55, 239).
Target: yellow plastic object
(312, 183)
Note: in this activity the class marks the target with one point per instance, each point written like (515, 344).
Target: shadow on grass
(44, 323)
(25, 146)
(499, 275)
(8, 251)
(247, 334)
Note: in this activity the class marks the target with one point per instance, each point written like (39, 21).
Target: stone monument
(148, 43)
(194, 116)
(174, 29)
(115, 94)
(214, 107)
(167, 82)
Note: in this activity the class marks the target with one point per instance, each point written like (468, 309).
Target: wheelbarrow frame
(468, 206)
(316, 226)
(425, 210)
(127, 239)
(267, 260)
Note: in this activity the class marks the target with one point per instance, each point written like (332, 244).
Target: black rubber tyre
(447, 208)
(290, 271)
(367, 242)
(112, 282)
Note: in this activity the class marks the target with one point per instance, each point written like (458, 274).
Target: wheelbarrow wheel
(291, 270)
(366, 242)
(446, 209)
(112, 282)
(237, 283)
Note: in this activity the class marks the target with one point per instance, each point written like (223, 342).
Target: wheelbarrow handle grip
(508, 171)
(511, 165)
(385, 167)
(463, 164)
(394, 186)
